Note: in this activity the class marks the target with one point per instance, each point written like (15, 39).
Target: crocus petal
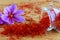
(1, 22)
(7, 20)
(6, 11)
(19, 12)
(19, 18)
(13, 7)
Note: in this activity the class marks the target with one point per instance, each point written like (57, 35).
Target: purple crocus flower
(11, 14)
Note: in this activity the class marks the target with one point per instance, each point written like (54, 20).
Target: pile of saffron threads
(31, 29)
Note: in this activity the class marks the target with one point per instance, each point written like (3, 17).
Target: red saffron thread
(57, 21)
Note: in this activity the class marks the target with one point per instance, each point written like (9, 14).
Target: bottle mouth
(51, 13)
(52, 16)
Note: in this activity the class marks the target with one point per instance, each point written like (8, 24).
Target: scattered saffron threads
(11, 15)
(37, 10)
(12, 38)
(30, 6)
(48, 0)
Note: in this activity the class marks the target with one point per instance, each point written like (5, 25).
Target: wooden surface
(53, 35)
